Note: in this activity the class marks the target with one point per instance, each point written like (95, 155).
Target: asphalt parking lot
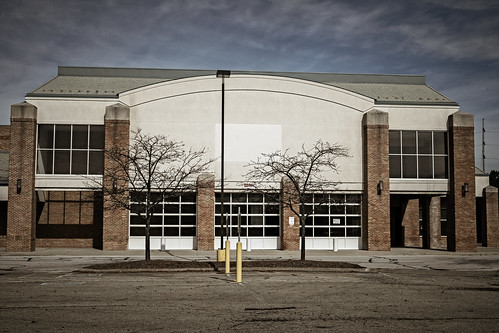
(397, 292)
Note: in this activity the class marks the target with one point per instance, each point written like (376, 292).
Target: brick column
(206, 212)
(375, 204)
(410, 221)
(115, 220)
(21, 218)
(490, 218)
(435, 227)
(290, 235)
(461, 235)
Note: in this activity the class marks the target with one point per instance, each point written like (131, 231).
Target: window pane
(62, 136)
(272, 209)
(171, 231)
(353, 232)
(80, 137)
(189, 197)
(353, 210)
(309, 232)
(96, 137)
(188, 231)
(409, 166)
(272, 232)
(255, 197)
(236, 208)
(134, 219)
(337, 232)
(440, 142)
(46, 136)
(425, 167)
(353, 198)
(171, 220)
(188, 219)
(441, 167)
(322, 209)
(408, 142)
(79, 162)
(61, 165)
(395, 171)
(394, 142)
(255, 220)
(96, 163)
(424, 142)
(321, 220)
(255, 209)
(353, 220)
(237, 197)
(321, 232)
(255, 231)
(337, 209)
(271, 220)
(44, 162)
(189, 208)
(337, 198)
(137, 231)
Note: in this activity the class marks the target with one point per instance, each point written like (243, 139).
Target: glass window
(80, 137)
(425, 167)
(424, 142)
(394, 142)
(45, 136)
(64, 149)
(409, 166)
(440, 142)
(408, 142)
(96, 137)
(428, 160)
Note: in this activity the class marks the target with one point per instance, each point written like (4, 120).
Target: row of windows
(259, 214)
(70, 149)
(174, 216)
(418, 154)
(334, 215)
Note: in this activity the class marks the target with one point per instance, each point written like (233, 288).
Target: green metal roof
(102, 82)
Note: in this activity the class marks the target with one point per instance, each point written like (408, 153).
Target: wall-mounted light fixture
(381, 187)
(115, 186)
(465, 189)
(18, 187)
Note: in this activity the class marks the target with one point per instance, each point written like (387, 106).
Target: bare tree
(153, 169)
(305, 173)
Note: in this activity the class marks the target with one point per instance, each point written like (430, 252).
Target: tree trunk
(302, 231)
(148, 242)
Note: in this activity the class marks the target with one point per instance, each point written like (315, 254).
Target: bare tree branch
(305, 171)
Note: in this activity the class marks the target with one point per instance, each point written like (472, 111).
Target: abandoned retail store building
(409, 181)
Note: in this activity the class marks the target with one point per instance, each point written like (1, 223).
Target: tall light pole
(223, 74)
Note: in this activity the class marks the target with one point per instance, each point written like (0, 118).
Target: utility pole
(483, 144)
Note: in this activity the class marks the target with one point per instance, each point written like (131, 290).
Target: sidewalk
(397, 258)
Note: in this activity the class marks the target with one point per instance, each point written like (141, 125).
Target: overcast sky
(454, 43)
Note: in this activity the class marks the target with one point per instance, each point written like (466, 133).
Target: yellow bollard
(239, 262)
(227, 257)
(220, 255)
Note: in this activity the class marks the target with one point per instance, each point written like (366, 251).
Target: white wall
(262, 114)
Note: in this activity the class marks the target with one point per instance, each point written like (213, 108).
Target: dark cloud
(455, 43)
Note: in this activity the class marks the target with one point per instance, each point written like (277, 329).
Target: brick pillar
(115, 220)
(434, 219)
(21, 218)
(410, 221)
(461, 235)
(206, 212)
(490, 218)
(290, 235)
(375, 204)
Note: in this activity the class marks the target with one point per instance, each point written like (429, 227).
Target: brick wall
(461, 233)
(376, 205)
(4, 137)
(410, 222)
(435, 232)
(115, 220)
(490, 225)
(290, 235)
(205, 212)
(21, 209)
